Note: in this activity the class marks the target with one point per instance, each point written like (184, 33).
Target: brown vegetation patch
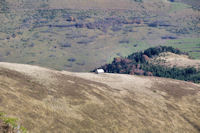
(133, 102)
(176, 89)
(193, 124)
(78, 89)
(32, 88)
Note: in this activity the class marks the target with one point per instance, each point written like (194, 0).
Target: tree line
(138, 64)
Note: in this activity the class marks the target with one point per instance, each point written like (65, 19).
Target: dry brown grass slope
(171, 60)
(64, 102)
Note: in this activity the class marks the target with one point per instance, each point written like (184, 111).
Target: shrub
(12, 123)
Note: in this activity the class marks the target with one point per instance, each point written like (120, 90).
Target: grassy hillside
(194, 3)
(173, 60)
(53, 101)
(61, 35)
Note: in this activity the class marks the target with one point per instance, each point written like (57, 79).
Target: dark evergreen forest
(138, 64)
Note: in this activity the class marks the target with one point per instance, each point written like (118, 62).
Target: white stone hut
(99, 71)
